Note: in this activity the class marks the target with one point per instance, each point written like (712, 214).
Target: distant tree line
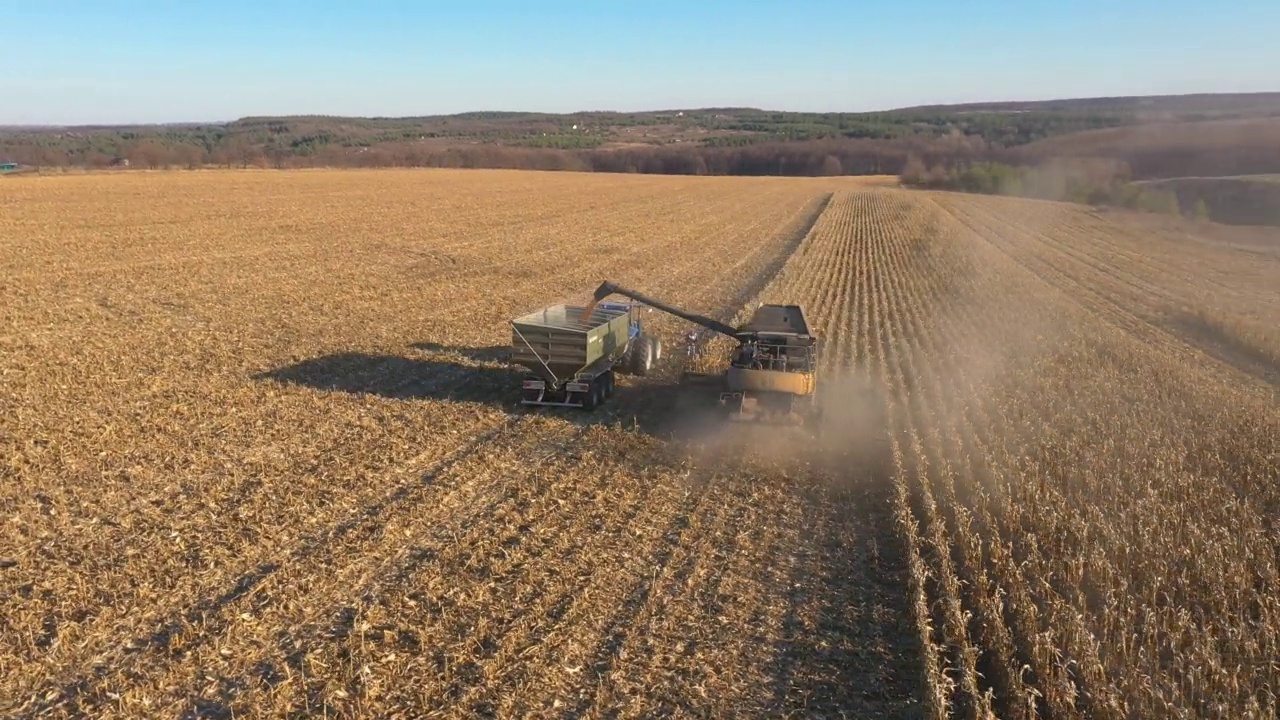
(706, 142)
(802, 157)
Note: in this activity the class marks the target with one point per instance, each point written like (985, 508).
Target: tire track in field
(564, 588)
(463, 548)
(1097, 288)
(542, 657)
(197, 622)
(649, 658)
(638, 601)
(478, 622)
(249, 488)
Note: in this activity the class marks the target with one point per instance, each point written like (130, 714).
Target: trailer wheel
(591, 398)
(607, 381)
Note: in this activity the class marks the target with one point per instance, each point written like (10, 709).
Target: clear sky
(115, 61)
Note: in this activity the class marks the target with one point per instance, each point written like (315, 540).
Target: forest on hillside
(1154, 137)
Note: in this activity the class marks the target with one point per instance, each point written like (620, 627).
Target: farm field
(261, 455)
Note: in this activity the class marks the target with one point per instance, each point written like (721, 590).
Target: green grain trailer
(572, 358)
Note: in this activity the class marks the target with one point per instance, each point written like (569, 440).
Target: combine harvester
(572, 352)
(772, 373)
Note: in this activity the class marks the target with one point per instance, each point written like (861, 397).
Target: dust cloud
(847, 444)
(945, 347)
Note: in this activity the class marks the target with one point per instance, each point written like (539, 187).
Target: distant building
(8, 167)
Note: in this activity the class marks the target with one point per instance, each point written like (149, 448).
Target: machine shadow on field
(488, 352)
(401, 378)
(471, 375)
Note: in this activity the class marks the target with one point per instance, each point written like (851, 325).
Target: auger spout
(607, 288)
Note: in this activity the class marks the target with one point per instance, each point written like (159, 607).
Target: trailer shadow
(468, 375)
(479, 353)
(402, 378)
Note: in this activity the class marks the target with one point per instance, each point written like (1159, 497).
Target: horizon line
(653, 111)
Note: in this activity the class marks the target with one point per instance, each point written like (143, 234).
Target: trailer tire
(607, 381)
(591, 398)
(657, 349)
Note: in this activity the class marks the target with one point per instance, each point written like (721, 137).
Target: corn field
(261, 455)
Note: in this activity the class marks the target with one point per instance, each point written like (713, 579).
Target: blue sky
(71, 61)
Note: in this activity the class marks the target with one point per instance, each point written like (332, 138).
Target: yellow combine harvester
(772, 375)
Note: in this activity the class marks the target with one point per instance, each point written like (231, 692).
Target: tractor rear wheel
(642, 356)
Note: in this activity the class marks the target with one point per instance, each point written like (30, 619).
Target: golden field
(262, 456)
